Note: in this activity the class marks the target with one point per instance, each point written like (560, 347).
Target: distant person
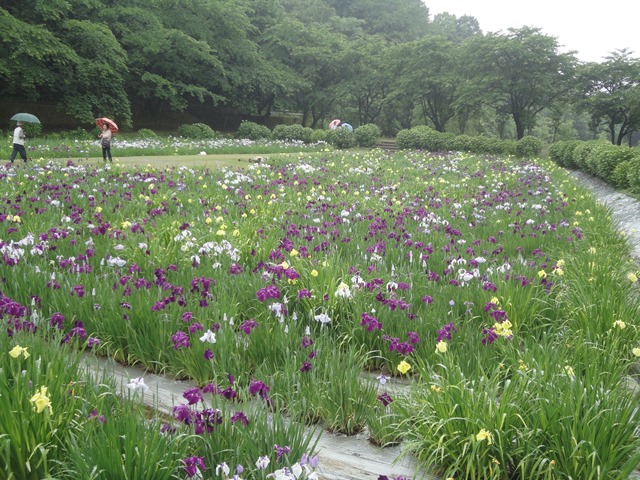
(106, 142)
(18, 143)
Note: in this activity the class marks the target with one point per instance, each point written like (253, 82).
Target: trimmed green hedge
(367, 135)
(197, 131)
(529, 147)
(562, 152)
(617, 165)
(253, 131)
(341, 138)
(147, 133)
(422, 137)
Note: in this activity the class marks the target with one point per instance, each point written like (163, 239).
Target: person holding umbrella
(18, 143)
(106, 141)
(109, 128)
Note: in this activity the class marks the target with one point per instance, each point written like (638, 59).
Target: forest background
(160, 63)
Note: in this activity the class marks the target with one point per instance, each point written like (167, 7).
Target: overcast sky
(593, 29)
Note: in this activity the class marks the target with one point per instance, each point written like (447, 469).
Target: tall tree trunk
(519, 127)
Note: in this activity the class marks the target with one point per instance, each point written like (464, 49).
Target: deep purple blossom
(240, 417)
(307, 341)
(445, 332)
(270, 291)
(490, 336)
(499, 315)
(370, 322)
(209, 388)
(180, 340)
(280, 451)
(489, 287)
(248, 325)
(94, 414)
(57, 320)
(304, 293)
(193, 395)
(167, 428)
(258, 387)
(183, 414)
(195, 327)
(78, 330)
(235, 269)
(229, 393)
(413, 337)
(77, 290)
(385, 398)
(193, 465)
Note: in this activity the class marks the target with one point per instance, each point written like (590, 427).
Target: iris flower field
(298, 295)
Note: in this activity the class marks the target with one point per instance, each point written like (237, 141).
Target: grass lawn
(163, 161)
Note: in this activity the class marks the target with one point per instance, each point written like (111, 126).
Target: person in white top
(18, 143)
(106, 142)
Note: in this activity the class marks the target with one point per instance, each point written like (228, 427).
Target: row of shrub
(426, 138)
(363, 136)
(615, 164)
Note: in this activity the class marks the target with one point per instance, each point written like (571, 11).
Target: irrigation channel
(344, 457)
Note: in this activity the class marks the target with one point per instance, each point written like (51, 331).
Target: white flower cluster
(218, 249)
(12, 251)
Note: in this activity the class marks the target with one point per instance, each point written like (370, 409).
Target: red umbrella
(334, 124)
(112, 125)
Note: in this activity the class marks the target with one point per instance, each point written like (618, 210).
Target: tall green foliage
(33, 61)
(364, 61)
(521, 73)
(611, 94)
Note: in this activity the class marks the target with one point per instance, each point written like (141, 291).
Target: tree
(225, 26)
(98, 73)
(167, 67)
(430, 75)
(313, 54)
(454, 28)
(275, 81)
(611, 94)
(521, 73)
(396, 20)
(364, 92)
(34, 63)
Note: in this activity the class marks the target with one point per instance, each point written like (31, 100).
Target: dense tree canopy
(368, 61)
(521, 72)
(612, 94)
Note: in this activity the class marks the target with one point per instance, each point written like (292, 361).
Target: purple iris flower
(193, 395)
(193, 465)
(180, 340)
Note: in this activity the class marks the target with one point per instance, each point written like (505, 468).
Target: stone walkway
(354, 458)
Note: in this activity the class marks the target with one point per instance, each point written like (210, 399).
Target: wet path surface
(624, 209)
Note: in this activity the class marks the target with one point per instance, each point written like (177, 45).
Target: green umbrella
(25, 117)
